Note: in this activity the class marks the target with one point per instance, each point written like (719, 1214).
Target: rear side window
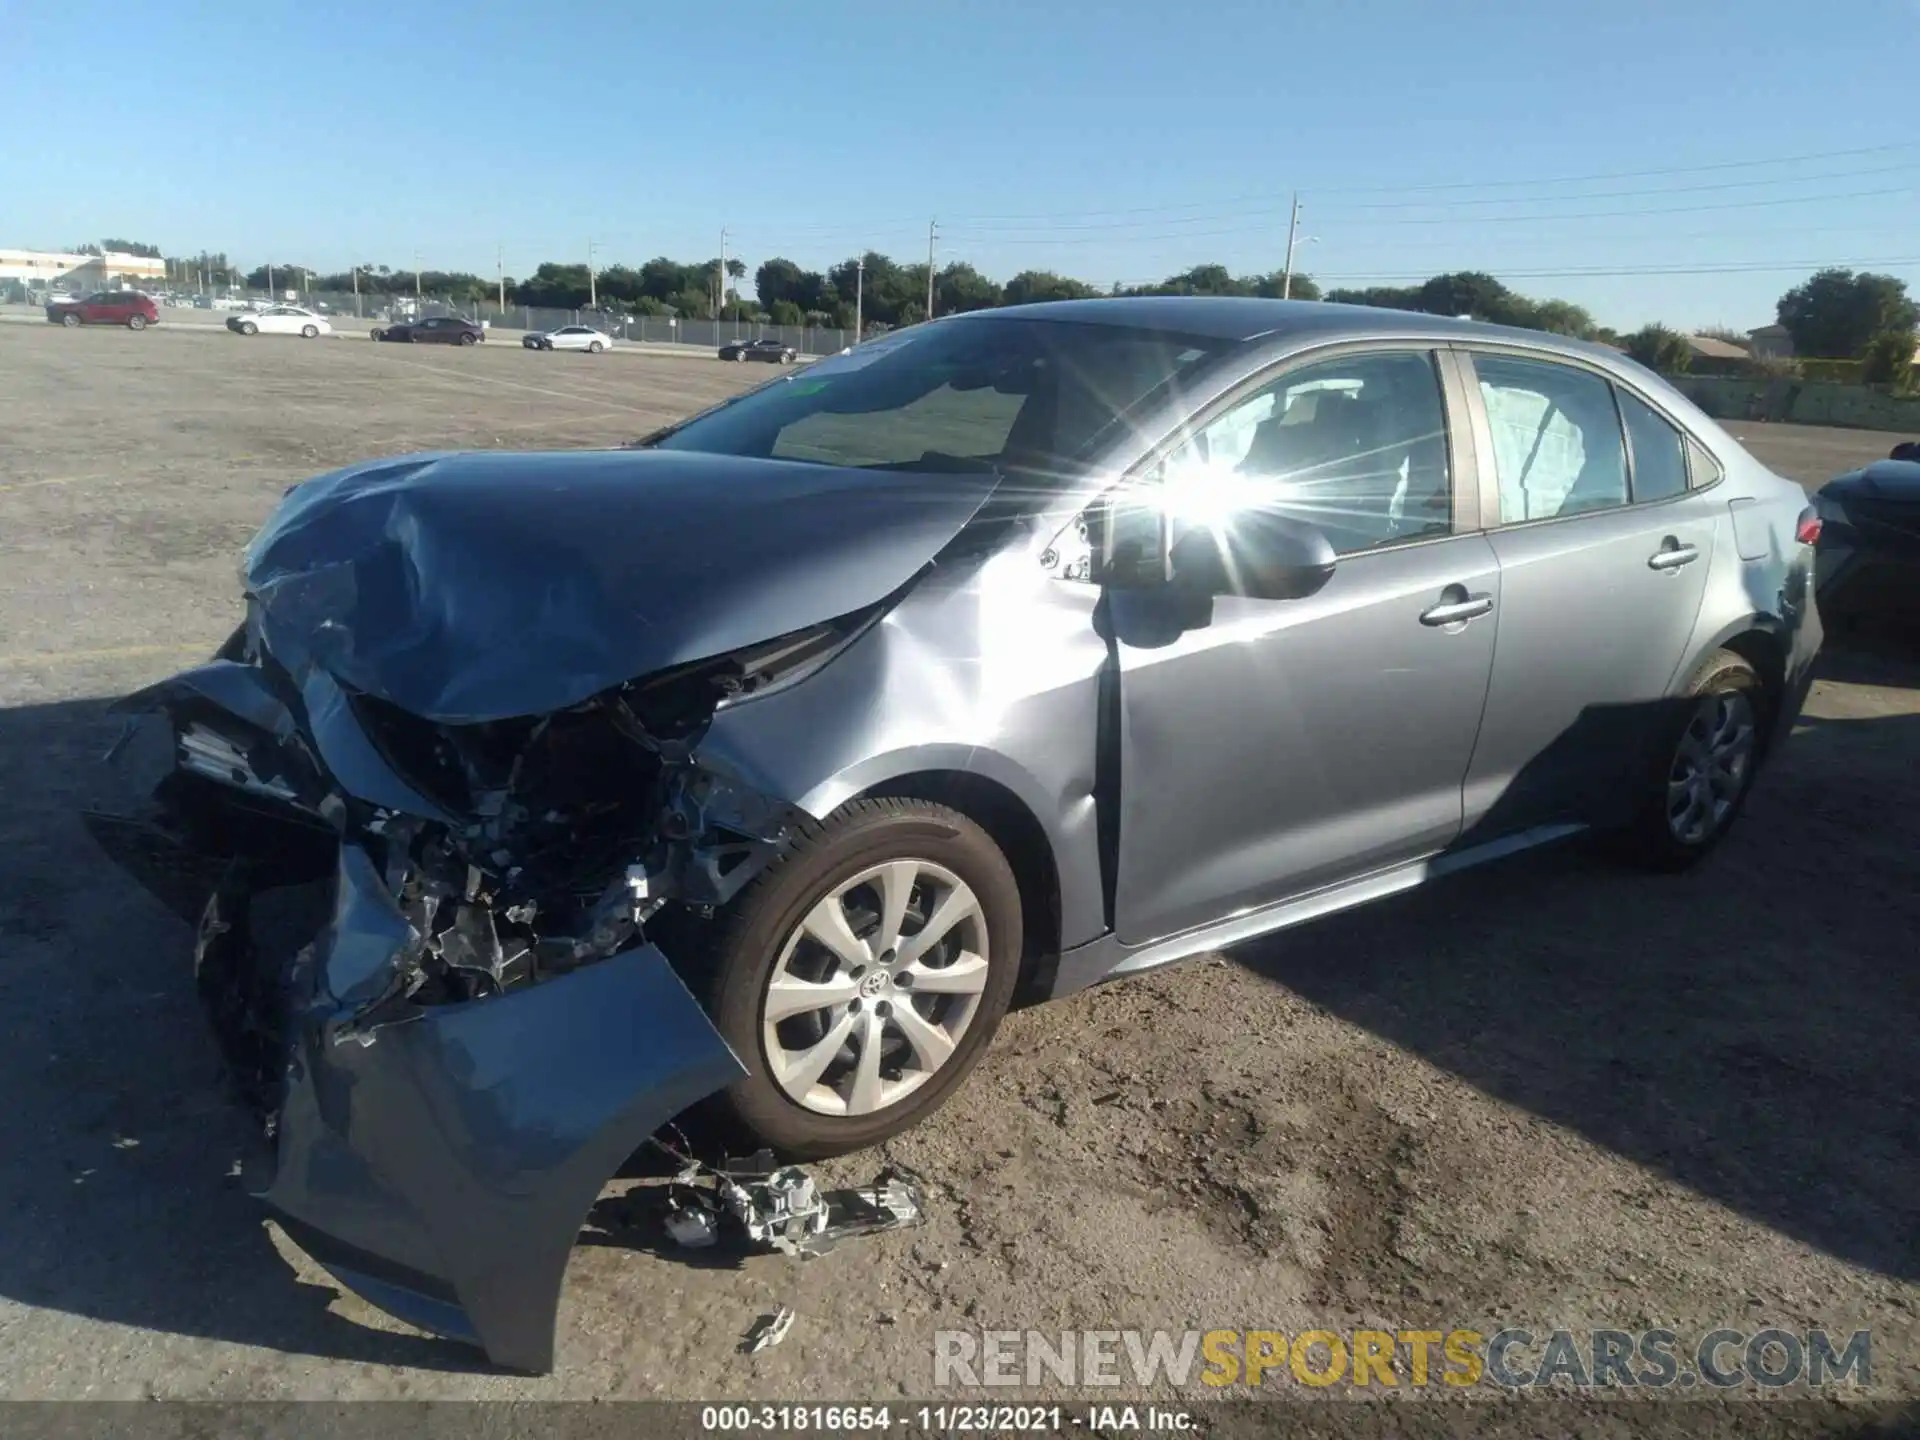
(1557, 441)
(1659, 454)
(1702, 469)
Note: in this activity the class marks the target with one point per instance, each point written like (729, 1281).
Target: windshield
(997, 394)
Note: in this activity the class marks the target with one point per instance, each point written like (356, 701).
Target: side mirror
(1259, 554)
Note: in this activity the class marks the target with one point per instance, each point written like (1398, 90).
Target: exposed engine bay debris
(768, 1331)
(783, 1210)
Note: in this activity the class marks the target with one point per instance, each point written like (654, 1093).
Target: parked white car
(570, 337)
(280, 320)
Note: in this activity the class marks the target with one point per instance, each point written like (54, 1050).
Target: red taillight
(1807, 531)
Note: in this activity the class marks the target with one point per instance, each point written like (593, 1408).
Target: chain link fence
(517, 320)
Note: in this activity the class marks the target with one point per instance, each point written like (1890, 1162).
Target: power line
(985, 238)
(1761, 267)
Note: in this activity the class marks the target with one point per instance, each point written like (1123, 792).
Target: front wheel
(70, 320)
(468, 339)
(1704, 768)
(247, 327)
(136, 322)
(863, 975)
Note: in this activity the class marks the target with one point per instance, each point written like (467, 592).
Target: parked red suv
(107, 307)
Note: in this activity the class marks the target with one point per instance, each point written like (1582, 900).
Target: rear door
(1603, 554)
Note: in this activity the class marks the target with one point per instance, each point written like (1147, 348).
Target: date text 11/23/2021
(984, 1419)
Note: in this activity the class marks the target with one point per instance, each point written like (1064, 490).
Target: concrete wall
(1801, 402)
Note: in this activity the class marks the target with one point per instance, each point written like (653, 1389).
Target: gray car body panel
(1197, 778)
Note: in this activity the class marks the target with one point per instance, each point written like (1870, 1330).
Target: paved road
(1551, 1093)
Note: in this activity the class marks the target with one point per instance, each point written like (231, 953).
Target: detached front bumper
(438, 1159)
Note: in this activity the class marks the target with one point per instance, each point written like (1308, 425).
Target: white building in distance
(42, 269)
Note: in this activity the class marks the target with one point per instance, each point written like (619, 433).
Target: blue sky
(1116, 141)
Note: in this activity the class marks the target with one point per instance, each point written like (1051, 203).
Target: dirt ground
(1548, 1093)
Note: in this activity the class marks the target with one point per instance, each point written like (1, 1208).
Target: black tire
(595, 348)
(1657, 839)
(71, 320)
(247, 327)
(467, 337)
(136, 322)
(309, 332)
(740, 952)
(376, 335)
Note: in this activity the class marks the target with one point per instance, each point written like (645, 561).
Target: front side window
(1356, 446)
(1659, 454)
(1002, 394)
(1557, 445)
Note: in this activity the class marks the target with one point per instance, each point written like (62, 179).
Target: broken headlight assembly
(575, 828)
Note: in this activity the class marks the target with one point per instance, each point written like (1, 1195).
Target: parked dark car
(771, 351)
(107, 307)
(1869, 556)
(436, 330)
(759, 766)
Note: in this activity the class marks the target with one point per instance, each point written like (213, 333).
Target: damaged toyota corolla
(760, 765)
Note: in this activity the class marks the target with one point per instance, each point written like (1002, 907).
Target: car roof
(1234, 317)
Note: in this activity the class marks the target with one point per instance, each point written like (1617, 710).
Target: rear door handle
(1671, 556)
(1451, 612)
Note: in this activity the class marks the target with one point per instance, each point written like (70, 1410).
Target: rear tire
(309, 332)
(1703, 768)
(767, 935)
(595, 348)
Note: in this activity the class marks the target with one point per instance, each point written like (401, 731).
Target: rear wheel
(862, 976)
(1704, 769)
(309, 332)
(595, 348)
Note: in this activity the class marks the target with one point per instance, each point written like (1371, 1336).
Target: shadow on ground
(118, 1142)
(1745, 1029)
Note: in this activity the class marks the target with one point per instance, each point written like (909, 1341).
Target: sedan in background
(569, 337)
(1869, 558)
(106, 307)
(281, 320)
(762, 764)
(771, 351)
(435, 330)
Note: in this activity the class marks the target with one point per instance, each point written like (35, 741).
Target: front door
(1281, 746)
(1604, 552)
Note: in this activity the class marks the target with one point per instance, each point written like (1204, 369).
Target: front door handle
(1452, 612)
(1672, 555)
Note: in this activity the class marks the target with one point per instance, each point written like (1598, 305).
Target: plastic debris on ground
(768, 1331)
(755, 1205)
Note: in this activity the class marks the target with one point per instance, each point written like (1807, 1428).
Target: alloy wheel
(875, 987)
(1711, 766)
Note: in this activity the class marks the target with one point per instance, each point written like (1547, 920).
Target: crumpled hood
(1882, 480)
(481, 586)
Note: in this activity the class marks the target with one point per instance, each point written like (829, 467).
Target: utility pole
(859, 297)
(720, 282)
(418, 290)
(1293, 233)
(593, 288)
(500, 270)
(356, 292)
(933, 230)
(269, 281)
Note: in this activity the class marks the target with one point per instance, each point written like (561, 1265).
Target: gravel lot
(1547, 1093)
